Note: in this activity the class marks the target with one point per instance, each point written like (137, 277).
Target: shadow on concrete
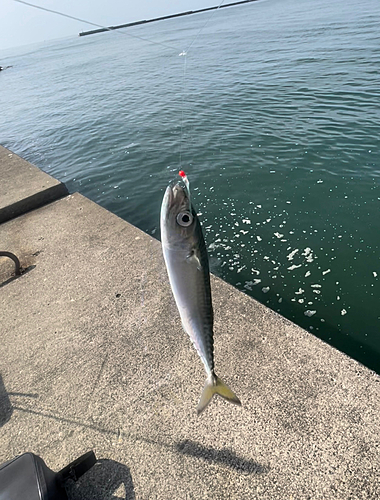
(24, 394)
(60, 419)
(6, 409)
(107, 480)
(223, 456)
(15, 277)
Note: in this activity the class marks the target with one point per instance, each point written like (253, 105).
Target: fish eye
(184, 219)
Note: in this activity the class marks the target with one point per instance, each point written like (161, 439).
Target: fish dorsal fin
(194, 258)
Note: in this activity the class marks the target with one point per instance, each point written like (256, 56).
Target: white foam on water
(291, 268)
(292, 254)
(309, 313)
(249, 284)
(308, 254)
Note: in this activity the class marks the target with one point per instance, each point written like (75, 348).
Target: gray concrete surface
(93, 357)
(24, 187)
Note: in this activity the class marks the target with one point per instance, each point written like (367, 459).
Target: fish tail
(214, 385)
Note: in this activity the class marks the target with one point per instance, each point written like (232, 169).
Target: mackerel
(187, 265)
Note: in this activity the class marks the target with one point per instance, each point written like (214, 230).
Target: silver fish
(186, 261)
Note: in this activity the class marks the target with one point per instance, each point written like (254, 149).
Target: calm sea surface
(279, 107)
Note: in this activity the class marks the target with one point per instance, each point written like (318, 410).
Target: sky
(24, 25)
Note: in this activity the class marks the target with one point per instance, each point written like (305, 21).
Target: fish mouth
(177, 194)
(169, 196)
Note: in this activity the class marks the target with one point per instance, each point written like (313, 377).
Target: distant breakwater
(171, 16)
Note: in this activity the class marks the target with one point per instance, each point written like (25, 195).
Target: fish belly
(188, 285)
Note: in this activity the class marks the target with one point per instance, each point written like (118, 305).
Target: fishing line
(204, 26)
(119, 31)
(184, 55)
(182, 104)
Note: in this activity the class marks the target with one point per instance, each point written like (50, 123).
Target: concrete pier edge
(93, 357)
(24, 187)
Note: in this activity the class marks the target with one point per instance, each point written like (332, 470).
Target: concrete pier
(163, 18)
(93, 356)
(24, 187)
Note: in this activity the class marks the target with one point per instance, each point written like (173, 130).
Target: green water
(276, 119)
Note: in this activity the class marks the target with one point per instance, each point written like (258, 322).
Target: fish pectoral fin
(214, 385)
(193, 258)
